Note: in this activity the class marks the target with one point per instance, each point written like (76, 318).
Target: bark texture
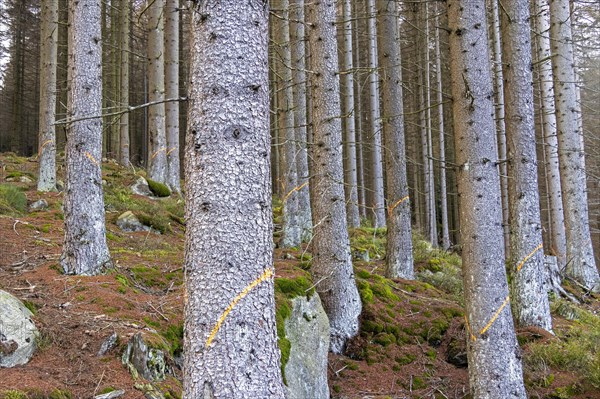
(124, 150)
(297, 37)
(332, 264)
(230, 333)
(399, 256)
(526, 263)
(47, 131)
(495, 369)
(157, 148)
(172, 91)
(84, 251)
(580, 253)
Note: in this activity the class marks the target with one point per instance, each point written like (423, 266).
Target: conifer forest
(256, 199)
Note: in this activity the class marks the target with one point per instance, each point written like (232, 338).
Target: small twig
(159, 312)
(99, 382)
(337, 373)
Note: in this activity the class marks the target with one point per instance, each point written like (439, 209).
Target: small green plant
(13, 394)
(13, 201)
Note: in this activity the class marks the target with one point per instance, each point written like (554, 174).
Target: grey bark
(526, 263)
(84, 251)
(441, 133)
(332, 265)
(47, 131)
(291, 227)
(230, 344)
(349, 112)
(557, 220)
(124, 150)
(580, 254)
(399, 256)
(157, 146)
(375, 118)
(297, 37)
(171, 46)
(495, 369)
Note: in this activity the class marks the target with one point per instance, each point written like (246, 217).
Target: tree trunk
(297, 37)
(332, 265)
(349, 112)
(157, 148)
(291, 227)
(378, 204)
(124, 150)
(581, 264)
(493, 352)
(172, 91)
(84, 251)
(526, 263)
(230, 333)
(47, 132)
(399, 256)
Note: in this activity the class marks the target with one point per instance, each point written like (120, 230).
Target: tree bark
(581, 264)
(493, 352)
(526, 263)
(399, 256)
(230, 333)
(124, 45)
(47, 131)
(84, 251)
(157, 148)
(171, 46)
(332, 265)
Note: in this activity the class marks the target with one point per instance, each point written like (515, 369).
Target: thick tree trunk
(399, 256)
(230, 333)
(493, 352)
(171, 15)
(47, 131)
(84, 251)
(297, 37)
(332, 265)
(349, 112)
(526, 262)
(157, 148)
(580, 254)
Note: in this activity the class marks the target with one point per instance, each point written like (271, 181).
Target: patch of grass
(13, 394)
(13, 201)
(575, 349)
(31, 306)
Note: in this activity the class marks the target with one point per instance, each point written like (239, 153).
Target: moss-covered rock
(158, 189)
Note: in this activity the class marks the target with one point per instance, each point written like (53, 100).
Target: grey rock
(108, 344)
(60, 185)
(25, 179)
(148, 362)
(140, 187)
(39, 205)
(128, 222)
(361, 255)
(18, 333)
(111, 395)
(307, 329)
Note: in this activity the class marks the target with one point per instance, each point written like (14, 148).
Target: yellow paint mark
(297, 188)
(171, 150)
(493, 319)
(158, 152)
(520, 266)
(45, 144)
(91, 158)
(266, 275)
(391, 208)
(473, 338)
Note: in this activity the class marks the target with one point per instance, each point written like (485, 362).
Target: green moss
(158, 189)
(106, 390)
(384, 339)
(173, 334)
(300, 286)
(405, 359)
(60, 394)
(158, 221)
(13, 394)
(370, 326)
(418, 383)
(364, 289)
(31, 306)
(13, 201)
(45, 228)
(361, 273)
(431, 353)
(337, 388)
(148, 276)
(384, 292)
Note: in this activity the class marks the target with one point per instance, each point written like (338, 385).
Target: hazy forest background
(368, 154)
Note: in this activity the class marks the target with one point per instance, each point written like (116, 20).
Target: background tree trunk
(172, 91)
(332, 265)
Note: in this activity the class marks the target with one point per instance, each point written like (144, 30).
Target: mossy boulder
(158, 189)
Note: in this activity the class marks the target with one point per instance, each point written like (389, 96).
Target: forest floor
(412, 340)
